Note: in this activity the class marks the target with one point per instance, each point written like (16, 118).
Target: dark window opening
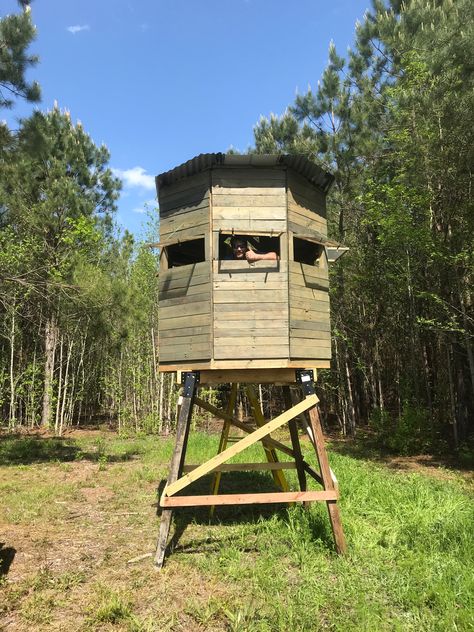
(307, 252)
(186, 253)
(261, 244)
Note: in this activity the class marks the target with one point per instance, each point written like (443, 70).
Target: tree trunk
(50, 341)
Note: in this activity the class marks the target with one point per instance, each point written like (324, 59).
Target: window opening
(258, 243)
(185, 253)
(307, 252)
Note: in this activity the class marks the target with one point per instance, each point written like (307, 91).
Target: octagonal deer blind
(219, 313)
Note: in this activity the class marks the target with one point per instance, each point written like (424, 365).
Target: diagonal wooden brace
(257, 435)
(221, 414)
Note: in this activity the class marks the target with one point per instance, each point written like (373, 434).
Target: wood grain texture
(248, 499)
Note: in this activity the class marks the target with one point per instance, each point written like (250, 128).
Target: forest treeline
(393, 120)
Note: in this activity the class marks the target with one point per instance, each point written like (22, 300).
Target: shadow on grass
(7, 555)
(235, 483)
(366, 447)
(21, 450)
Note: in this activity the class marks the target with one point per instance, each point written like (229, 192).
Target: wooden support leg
(328, 482)
(295, 442)
(177, 461)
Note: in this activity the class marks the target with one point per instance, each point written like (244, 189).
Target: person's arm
(251, 256)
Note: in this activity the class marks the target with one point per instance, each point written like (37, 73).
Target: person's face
(239, 249)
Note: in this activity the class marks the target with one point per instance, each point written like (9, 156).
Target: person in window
(240, 250)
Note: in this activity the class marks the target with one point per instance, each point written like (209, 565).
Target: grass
(78, 518)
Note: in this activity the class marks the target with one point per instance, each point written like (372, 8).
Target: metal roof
(309, 170)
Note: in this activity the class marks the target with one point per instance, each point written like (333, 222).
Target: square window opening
(185, 253)
(261, 244)
(307, 252)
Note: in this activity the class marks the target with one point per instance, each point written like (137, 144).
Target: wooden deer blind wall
(217, 313)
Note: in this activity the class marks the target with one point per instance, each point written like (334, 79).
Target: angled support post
(191, 380)
(304, 378)
(295, 442)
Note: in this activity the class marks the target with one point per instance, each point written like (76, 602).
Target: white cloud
(77, 28)
(146, 206)
(135, 177)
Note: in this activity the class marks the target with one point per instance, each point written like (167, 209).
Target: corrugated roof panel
(298, 163)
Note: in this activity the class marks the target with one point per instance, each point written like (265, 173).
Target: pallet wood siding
(252, 199)
(309, 326)
(250, 304)
(310, 330)
(184, 323)
(251, 312)
(306, 205)
(184, 208)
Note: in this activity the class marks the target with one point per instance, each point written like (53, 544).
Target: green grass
(78, 512)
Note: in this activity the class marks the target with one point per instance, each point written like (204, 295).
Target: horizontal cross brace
(256, 435)
(242, 467)
(247, 499)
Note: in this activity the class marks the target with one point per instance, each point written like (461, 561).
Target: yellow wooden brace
(247, 441)
(270, 453)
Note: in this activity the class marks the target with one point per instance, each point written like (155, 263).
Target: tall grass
(409, 564)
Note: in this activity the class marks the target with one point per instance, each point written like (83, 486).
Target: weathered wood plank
(308, 293)
(310, 334)
(248, 212)
(248, 189)
(314, 306)
(322, 325)
(309, 281)
(180, 322)
(245, 226)
(184, 299)
(251, 341)
(250, 275)
(201, 307)
(190, 182)
(194, 269)
(185, 331)
(184, 352)
(183, 222)
(317, 312)
(304, 193)
(192, 281)
(262, 352)
(248, 499)
(309, 350)
(234, 331)
(307, 271)
(256, 364)
(312, 231)
(249, 200)
(272, 282)
(234, 311)
(247, 467)
(250, 296)
(241, 267)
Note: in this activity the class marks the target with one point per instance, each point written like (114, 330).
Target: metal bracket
(305, 377)
(190, 379)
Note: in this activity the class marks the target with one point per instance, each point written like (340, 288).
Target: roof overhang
(309, 170)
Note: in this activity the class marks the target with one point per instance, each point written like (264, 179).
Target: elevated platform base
(181, 475)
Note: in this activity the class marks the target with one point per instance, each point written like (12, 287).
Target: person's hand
(251, 256)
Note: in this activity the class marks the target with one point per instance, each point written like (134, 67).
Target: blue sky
(160, 81)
